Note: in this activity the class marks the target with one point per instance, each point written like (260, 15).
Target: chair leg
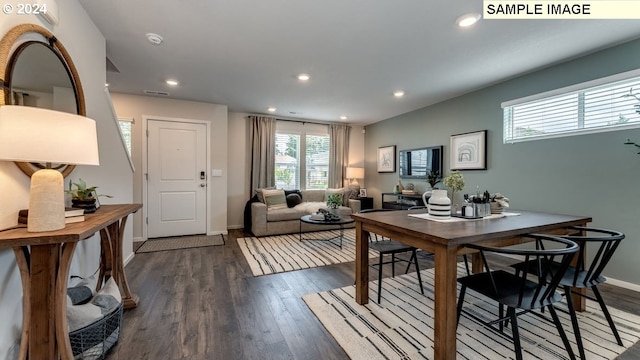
(380, 278)
(574, 321)
(415, 257)
(612, 325)
(563, 335)
(511, 312)
(463, 290)
(393, 265)
(466, 264)
(500, 316)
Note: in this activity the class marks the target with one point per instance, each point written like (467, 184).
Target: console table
(401, 201)
(44, 260)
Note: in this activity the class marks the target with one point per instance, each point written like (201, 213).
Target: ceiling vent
(156, 93)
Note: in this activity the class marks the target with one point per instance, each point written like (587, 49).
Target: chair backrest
(607, 241)
(524, 293)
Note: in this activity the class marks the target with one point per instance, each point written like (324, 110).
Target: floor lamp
(37, 135)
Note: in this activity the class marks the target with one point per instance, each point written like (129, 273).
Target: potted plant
(433, 178)
(334, 201)
(83, 196)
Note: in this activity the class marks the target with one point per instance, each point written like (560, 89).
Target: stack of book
(71, 215)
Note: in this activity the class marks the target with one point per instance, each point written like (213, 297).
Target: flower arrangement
(334, 201)
(455, 182)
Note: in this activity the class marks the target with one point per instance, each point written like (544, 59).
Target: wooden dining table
(446, 240)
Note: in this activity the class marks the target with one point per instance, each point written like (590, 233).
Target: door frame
(145, 169)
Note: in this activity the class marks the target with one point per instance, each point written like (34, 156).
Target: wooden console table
(44, 259)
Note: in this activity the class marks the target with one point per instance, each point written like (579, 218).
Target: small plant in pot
(333, 202)
(83, 196)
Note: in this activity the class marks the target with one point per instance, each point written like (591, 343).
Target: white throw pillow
(275, 199)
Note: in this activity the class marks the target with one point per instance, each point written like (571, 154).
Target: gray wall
(594, 175)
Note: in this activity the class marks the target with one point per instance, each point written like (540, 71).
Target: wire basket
(94, 340)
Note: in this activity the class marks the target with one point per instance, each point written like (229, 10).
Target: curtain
(339, 154)
(263, 149)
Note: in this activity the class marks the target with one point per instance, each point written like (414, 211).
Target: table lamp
(32, 134)
(355, 173)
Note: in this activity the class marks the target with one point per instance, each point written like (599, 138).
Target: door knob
(203, 185)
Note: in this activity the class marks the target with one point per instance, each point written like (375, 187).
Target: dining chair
(388, 248)
(582, 276)
(517, 291)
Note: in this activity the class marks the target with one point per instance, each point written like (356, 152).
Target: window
(302, 159)
(125, 131)
(606, 104)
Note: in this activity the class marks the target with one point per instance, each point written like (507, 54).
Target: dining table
(446, 240)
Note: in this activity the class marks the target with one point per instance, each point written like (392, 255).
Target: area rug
(276, 254)
(180, 242)
(401, 327)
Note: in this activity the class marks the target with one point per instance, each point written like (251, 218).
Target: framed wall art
(469, 151)
(387, 159)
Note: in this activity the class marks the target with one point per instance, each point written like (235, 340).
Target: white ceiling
(246, 53)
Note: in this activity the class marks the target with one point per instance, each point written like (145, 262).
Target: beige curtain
(338, 154)
(263, 149)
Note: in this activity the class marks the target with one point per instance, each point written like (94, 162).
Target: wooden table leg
(23, 259)
(44, 261)
(445, 303)
(62, 327)
(362, 265)
(115, 235)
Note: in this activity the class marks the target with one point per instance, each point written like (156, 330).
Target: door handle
(203, 185)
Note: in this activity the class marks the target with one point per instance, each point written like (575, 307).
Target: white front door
(177, 178)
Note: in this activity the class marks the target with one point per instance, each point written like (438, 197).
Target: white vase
(440, 204)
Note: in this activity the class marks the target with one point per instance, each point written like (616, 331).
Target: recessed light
(343, 117)
(106, 84)
(398, 93)
(272, 109)
(467, 20)
(303, 77)
(172, 82)
(154, 39)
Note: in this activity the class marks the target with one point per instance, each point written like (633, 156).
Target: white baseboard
(235, 226)
(129, 258)
(138, 239)
(218, 232)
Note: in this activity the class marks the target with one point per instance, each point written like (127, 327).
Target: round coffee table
(344, 220)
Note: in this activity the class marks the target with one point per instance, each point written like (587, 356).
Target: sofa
(268, 219)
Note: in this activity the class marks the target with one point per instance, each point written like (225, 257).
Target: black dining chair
(582, 276)
(519, 292)
(388, 248)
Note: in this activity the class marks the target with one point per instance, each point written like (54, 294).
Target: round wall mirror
(39, 72)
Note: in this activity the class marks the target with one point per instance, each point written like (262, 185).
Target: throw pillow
(293, 200)
(274, 199)
(260, 194)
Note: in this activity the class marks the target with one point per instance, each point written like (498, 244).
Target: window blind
(606, 104)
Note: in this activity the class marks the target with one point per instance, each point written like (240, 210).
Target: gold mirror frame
(10, 41)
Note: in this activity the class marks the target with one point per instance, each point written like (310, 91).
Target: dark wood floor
(204, 303)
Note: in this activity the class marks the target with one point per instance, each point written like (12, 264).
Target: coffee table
(344, 220)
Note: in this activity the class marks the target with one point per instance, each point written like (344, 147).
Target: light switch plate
(216, 172)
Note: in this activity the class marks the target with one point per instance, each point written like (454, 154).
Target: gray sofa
(287, 220)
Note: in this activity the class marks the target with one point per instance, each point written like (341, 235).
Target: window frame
(580, 89)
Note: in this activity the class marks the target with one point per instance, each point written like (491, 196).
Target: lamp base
(46, 201)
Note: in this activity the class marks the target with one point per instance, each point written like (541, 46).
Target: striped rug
(180, 242)
(401, 326)
(276, 254)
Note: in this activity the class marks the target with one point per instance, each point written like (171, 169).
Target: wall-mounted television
(418, 163)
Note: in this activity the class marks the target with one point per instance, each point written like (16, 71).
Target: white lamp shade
(355, 173)
(40, 135)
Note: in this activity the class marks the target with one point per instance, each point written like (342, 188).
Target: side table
(365, 203)
(44, 260)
